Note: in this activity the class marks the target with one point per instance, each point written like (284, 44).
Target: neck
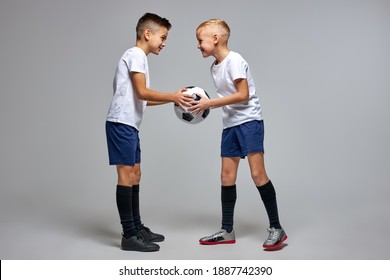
(220, 56)
(143, 47)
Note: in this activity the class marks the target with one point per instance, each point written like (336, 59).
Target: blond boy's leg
(228, 191)
(229, 170)
(267, 192)
(257, 167)
(228, 200)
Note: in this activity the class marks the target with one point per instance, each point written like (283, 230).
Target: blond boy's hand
(198, 106)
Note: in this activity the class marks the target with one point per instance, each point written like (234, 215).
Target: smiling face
(156, 39)
(206, 41)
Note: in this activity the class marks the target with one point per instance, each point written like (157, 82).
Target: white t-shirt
(125, 106)
(224, 74)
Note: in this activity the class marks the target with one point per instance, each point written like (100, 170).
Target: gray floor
(93, 233)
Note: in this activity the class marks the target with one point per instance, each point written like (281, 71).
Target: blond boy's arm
(241, 96)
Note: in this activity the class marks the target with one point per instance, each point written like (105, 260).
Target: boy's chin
(204, 54)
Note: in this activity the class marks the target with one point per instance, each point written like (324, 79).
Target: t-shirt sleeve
(238, 68)
(136, 62)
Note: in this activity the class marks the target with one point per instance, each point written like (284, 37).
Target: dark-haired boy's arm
(155, 103)
(139, 83)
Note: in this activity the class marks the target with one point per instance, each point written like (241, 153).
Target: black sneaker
(148, 235)
(138, 243)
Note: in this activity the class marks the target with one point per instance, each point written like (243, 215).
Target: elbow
(141, 95)
(245, 98)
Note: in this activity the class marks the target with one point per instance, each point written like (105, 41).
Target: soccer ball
(187, 116)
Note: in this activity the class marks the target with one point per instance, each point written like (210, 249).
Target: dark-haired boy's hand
(182, 99)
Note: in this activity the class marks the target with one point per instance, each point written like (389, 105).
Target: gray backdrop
(322, 74)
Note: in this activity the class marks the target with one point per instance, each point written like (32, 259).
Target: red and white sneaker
(220, 237)
(275, 238)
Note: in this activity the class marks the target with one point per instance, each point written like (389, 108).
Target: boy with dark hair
(131, 96)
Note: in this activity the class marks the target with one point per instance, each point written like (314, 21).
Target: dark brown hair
(152, 22)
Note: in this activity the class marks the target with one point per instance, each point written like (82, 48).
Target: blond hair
(218, 26)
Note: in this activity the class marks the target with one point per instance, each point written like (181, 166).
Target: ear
(147, 34)
(215, 39)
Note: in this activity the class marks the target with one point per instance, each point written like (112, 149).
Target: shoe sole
(217, 242)
(144, 250)
(276, 245)
(157, 240)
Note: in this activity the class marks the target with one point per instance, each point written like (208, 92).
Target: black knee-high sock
(268, 195)
(124, 204)
(136, 212)
(228, 198)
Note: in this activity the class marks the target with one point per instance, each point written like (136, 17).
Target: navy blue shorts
(243, 139)
(123, 144)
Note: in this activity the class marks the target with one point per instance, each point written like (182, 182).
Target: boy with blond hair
(131, 96)
(243, 131)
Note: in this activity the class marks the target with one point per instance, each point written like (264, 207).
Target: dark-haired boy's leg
(131, 239)
(142, 230)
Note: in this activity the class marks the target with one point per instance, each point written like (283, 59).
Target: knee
(125, 179)
(259, 178)
(228, 178)
(137, 177)
(125, 175)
